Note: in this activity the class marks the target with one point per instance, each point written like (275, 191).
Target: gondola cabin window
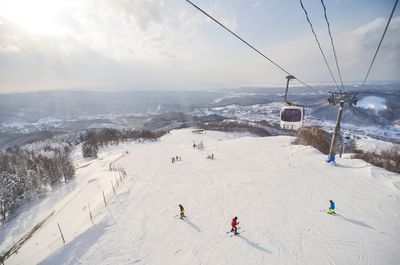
(292, 117)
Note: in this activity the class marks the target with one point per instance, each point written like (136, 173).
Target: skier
(331, 209)
(182, 210)
(234, 224)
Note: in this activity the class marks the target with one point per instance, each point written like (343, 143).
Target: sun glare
(37, 17)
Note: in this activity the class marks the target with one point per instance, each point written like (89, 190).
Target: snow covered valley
(278, 191)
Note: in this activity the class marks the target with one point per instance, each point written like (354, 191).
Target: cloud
(107, 42)
(367, 35)
(140, 13)
(165, 43)
(106, 39)
(117, 29)
(256, 4)
(359, 45)
(355, 49)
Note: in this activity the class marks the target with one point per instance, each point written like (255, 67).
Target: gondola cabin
(292, 117)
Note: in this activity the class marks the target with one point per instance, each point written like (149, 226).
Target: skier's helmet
(235, 218)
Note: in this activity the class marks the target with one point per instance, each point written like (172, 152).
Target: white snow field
(277, 190)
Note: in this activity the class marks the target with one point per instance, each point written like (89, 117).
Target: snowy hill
(277, 190)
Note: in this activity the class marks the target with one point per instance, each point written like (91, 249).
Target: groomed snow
(276, 189)
(368, 144)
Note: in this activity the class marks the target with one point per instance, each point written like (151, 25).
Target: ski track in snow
(275, 188)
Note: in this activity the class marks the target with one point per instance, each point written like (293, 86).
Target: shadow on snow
(75, 249)
(254, 244)
(187, 221)
(356, 222)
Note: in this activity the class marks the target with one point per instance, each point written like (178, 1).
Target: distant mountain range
(31, 116)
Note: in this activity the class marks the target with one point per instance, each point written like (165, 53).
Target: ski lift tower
(339, 98)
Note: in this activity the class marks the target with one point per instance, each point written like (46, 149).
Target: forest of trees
(321, 140)
(234, 126)
(31, 170)
(387, 159)
(314, 136)
(96, 138)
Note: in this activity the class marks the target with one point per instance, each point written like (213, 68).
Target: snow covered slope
(276, 189)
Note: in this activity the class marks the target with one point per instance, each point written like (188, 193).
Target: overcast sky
(167, 44)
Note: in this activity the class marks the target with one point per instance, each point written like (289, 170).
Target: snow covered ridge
(372, 102)
(278, 191)
(270, 112)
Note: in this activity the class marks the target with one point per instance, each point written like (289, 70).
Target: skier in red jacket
(234, 224)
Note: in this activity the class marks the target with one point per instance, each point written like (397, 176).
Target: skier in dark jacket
(234, 224)
(182, 211)
(331, 209)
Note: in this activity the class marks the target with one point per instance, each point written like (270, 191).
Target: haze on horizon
(167, 44)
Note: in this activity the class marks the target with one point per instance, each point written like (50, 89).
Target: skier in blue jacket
(331, 209)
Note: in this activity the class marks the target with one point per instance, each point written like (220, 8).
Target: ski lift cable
(319, 44)
(333, 46)
(248, 44)
(380, 42)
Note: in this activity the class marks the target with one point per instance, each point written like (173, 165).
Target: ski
(178, 217)
(238, 234)
(232, 231)
(325, 211)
